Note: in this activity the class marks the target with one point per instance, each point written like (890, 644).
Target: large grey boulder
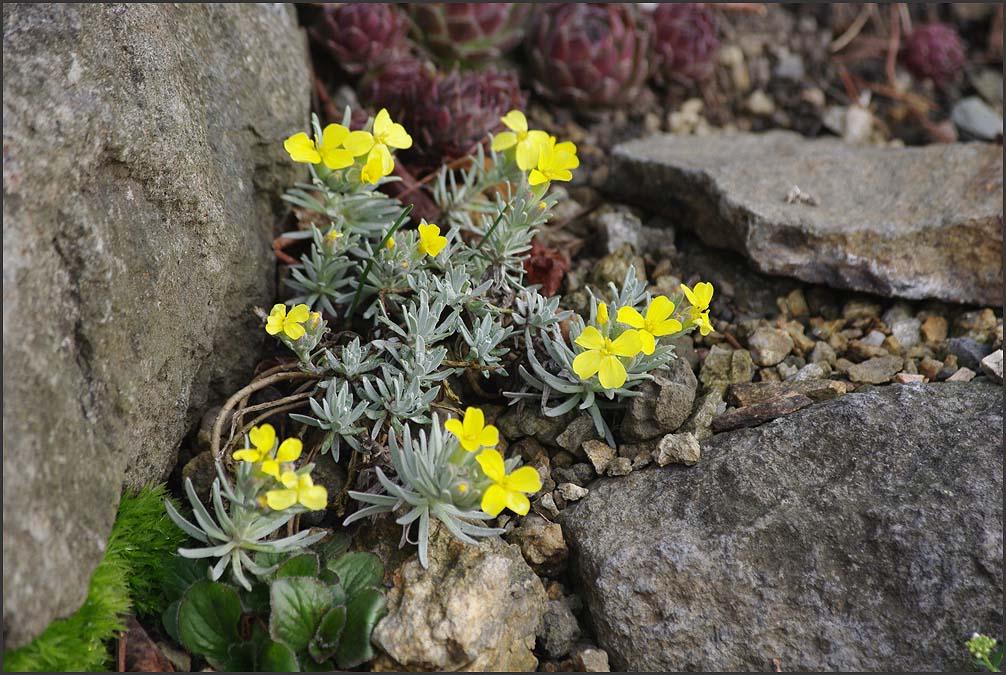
(908, 222)
(864, 533)
(143, 160)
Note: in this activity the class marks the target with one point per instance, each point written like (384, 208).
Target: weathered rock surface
(477, 608)
(862, 533)
(908, 222)
(143, 160)
(665, 403)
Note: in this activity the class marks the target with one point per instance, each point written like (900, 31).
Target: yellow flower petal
(518, 503)
(455, 427)
(504, 140)
(474, 421)
(704, 293)
(564, 155)
(294, 331)
(630, 317)
(382, 122)
(587, 364)
(627, 344)
(494, 500)
(278, 500)
(372, 171)
(515, 121)
(524, 479)
(247, 455)
(263, 437)
(489, 436)
(492, 465)
(314, 497)
(332, 137)
(270, 467)
(289, 479)
(647, 343)
(430, 241)
(590, 338)
(299, 314)
(660, 308)
(528, 151)
(358, 142)
(611, 373)
(391, 133)
(337, 158)
(536, 177)
(689, 295)
(289, 450)
(302, 149)
(602, 313)
(668, 327)
(274, 324)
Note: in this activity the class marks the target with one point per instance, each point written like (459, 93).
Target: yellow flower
(390, 244)
(554, 162)
(473, 433)
(386, 135)
(602, 313)
(702, 321)
(528, 143)
(656, 323)
(262, 438)
(699, 297)
(288, 451)
(337, 149)
(299, 490)
(602, 354)
(506, 490)
(281, 322)
(430, 241)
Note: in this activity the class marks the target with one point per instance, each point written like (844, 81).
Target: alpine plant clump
(589, 54)
(469, 32)
(684, 42)
(360, 35)
(395, 329)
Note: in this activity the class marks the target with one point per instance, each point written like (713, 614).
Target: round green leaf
(208, 620)
(357, 570)
(362, 614)
(298, 604)
(326, 640)
(303, 565)
(277, 658)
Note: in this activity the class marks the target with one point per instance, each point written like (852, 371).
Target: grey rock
(823, 353)
(939, 238)
(976, 119)
(572, 492)
(724, 366)
(707, 407)
(576, 432)
(665, 403)
(811, 371)
(591, 660)
(527, 420)
(899, 311)
(620, 466)
(992, 365)
(859, 534)
(877, 370)
(873, 339)
(600, 455)
(769, 346)
(619, 227)
(541, 543)
(476, 608)
(907, 331)
(678, 449)
(143, 161)
(969, 353)
(560, 630)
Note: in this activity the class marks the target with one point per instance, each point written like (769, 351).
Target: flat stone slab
(921, 222)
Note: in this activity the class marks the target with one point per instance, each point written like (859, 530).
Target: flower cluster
(535, 151)
(277, 461)
(986, 655)
(434, 313)
(336, 147)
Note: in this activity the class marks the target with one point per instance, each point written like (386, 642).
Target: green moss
(128, 577)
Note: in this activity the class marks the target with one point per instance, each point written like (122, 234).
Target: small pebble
(992, 365)
(962, 375)
(572, 492)
(934, 329)
(908, 378)
(620, 466)
(600, 454)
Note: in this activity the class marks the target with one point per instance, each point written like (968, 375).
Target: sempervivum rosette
(469, 32)
(360, 34)
(684, 42)
(934, 51)
(589, 54)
